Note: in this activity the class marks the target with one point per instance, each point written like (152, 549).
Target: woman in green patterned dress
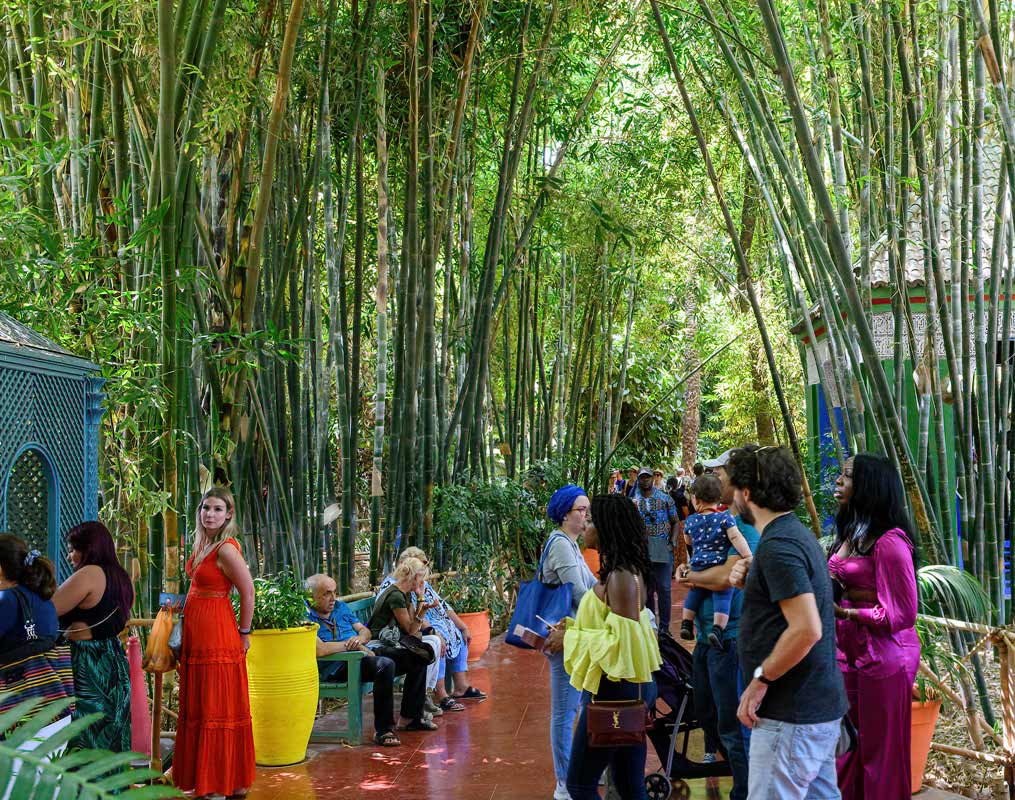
(94, 605)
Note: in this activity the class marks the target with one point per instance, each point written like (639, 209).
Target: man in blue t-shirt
(339, 631)
(717, 671)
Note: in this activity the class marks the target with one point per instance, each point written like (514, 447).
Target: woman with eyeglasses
(878, 649)
(563, 563)
(454, 640)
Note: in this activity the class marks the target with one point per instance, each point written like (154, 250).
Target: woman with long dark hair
(94, 606)
(878, 648)
(610, 647)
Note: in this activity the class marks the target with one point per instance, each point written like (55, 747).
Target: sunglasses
(757, 462)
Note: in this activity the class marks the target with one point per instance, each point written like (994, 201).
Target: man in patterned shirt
(659, 513)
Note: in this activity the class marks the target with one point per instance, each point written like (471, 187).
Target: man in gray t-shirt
(796, 698)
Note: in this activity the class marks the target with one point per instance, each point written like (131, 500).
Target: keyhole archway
(31, 507)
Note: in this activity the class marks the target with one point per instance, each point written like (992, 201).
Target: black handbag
(418, 648)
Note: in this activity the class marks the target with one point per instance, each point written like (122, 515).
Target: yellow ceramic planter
(282, 684)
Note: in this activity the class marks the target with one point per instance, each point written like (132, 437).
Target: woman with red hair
(94, 606)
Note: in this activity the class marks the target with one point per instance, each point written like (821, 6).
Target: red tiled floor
(497, 749)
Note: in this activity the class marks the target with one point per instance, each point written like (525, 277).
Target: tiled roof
(13, 332)
(915, 275)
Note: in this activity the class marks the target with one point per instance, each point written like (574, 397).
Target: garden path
(497, 749)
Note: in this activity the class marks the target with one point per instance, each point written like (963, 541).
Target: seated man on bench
(339, 631)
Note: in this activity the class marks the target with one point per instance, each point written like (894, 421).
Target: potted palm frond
(951, 593)
(43, 771)
(281, 671)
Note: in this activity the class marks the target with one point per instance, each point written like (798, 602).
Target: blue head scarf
(562, 501)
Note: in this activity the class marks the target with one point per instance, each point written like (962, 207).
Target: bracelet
(244, 631)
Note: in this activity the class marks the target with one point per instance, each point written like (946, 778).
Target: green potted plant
(952, 593)
(281, 671)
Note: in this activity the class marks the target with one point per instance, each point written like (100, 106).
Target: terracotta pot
(478, 623)
(924, 719)
(592, 559)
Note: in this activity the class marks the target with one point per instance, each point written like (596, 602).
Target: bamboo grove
(295, 234)
(346, 255)
(870, 133)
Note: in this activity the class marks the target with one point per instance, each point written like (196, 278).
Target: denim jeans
(793, 762)
(662, 577)
(627, 764)
(563, 709)
(716, 698)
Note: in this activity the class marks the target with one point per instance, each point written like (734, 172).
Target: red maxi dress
(214, 740)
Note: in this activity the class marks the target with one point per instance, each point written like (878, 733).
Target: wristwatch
(759, 675)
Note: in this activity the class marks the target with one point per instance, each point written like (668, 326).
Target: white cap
(719, 461)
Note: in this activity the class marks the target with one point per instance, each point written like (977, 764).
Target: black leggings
(414, 670)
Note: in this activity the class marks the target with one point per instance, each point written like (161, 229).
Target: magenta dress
(879, 655)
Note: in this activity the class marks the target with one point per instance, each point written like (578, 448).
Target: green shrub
(279, 602)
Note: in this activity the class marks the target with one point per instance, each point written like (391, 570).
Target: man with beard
(796, 697)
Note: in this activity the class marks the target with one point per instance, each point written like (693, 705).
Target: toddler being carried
(710, 533)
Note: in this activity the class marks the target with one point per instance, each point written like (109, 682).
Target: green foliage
(469, 592)
(950, 592)
(279, 602)
(96, 774)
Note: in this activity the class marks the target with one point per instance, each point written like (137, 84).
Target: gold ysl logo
(616, 719)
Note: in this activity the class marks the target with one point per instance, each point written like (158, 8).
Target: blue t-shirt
(710, 542)
(12, 624)
(704, 618)
(337, 626)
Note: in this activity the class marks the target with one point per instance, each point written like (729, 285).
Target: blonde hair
(412, 552)
(409, 568)
(203, 537)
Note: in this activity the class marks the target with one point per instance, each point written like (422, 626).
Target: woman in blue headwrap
(563, 563)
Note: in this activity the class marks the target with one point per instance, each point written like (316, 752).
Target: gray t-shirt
(789, 562)
(564, 564)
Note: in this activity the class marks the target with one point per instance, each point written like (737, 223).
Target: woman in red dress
(214, 741)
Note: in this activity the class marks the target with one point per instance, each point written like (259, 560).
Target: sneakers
(709, 758)
(561, 793)
(686, 630)
(431, 708)
(715, 638)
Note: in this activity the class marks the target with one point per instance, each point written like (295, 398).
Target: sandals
(387, 739)
(472, 693)
(419, 725)
(450, 704)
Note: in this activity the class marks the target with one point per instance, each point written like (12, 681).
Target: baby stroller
(675, 690)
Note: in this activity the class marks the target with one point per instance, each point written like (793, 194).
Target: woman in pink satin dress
(878, 648)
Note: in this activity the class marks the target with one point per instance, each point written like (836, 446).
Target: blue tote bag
(551, 602)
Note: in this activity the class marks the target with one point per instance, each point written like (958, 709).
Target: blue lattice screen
(28, 496)
(48, 452)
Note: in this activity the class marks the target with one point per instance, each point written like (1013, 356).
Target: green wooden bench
(352, 690)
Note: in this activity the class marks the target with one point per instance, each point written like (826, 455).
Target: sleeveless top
(105, 618)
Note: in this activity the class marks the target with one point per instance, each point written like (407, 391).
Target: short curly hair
(770, 473)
